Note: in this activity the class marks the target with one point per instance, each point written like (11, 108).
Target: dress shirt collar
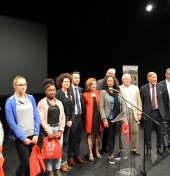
(151, 85)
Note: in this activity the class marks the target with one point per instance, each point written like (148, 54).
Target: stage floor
(155, 165)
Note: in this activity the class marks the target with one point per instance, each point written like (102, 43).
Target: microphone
(114, 90)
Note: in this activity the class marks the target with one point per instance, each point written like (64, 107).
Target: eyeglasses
(21, 85)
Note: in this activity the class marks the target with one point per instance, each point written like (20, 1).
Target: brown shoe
(68, 167)
(78, 159)
(64, 168)
(71, 161)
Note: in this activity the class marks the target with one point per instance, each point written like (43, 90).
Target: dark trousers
(158, 128)
(75, 137)
(111, 132)
(104, 138)
(24, 152)
(65, 144)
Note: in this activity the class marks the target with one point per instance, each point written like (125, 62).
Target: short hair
(48, 82)
(167, 70)
(125, 75)
(88, 84)
(17, 78)
(150, 74)
(116, 82)
(111, 69)
(59, 80)
(75, 72)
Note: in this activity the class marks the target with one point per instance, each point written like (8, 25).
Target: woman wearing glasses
(23, 121)
(63, 82)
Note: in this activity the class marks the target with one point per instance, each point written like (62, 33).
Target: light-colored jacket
(135, 99)
(105, 104)
(43, 112)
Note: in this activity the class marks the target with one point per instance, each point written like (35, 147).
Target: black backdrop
(92, 36)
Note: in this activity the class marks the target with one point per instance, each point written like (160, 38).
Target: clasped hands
(34, 140)
(55, 135)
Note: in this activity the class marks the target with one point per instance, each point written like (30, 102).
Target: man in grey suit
(166, 123)
(153, 98)
(131, 93)
(112, 72)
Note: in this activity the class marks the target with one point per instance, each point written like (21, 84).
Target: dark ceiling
(97, 29)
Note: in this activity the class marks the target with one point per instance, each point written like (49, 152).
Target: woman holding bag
(52, 119)
(23, 121)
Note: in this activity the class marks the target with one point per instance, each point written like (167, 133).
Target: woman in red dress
(93, 123)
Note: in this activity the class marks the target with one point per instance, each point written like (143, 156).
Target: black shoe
(148, 152)
(119, 155)
(136, 153)
(104, 149)
(160, 151)
(166, 149)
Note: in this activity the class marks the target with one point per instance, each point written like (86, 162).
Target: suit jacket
(105, 104)
(81, 90)
(99, 84)
(167, 99)
(135, 99)
(146, 99)
(88, 107)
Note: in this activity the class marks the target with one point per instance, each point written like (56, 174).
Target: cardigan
(11, 117)
(43, 112)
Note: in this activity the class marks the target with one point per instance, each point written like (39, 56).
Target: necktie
(77, 101)
(153, 97)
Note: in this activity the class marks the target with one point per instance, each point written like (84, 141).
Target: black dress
(95, 119)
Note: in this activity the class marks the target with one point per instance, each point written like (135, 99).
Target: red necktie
(153, 97)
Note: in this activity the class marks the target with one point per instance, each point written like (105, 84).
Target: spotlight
(149, 8)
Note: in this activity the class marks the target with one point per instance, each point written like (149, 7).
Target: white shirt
(155, 95)
(128, 94)
(168, 87)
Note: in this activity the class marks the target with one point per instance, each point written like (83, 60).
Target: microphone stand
(144, 171)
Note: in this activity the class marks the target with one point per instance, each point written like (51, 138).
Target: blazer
(105, 104)
(167, 108)
(43, 112)
(88, 110)
(81, 90)
(135, 99)
(99, 84)
(146, 99)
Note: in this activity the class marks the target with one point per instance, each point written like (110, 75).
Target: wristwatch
(104, 119)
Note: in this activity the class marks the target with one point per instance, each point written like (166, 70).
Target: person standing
(63, 82)
(92, 120)
(166, 123)
(112, 72)
(109, 110)
(52, 120)
(77, 127)
(131, 93)
(153, 98)
(22, 118)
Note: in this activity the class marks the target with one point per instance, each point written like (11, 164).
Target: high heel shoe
(91, 158)
(98, 155)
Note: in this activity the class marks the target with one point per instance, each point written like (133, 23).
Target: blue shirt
(111, 108)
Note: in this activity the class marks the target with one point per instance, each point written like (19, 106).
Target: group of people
(67, 109)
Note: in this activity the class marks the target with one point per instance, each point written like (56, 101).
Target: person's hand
(51, 136)
(34, 140)
(69, 123)
(27, 141)
(58, 135)
(139, 116)
(105, 123)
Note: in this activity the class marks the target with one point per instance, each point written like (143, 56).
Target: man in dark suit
(166, 123)
(77, 122)
(112, 72)
(153, 98)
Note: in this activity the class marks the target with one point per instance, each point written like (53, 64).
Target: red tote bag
(51, 149)
(36, 162)
(1, 168)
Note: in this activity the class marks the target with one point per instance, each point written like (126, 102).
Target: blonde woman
(23, 121)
